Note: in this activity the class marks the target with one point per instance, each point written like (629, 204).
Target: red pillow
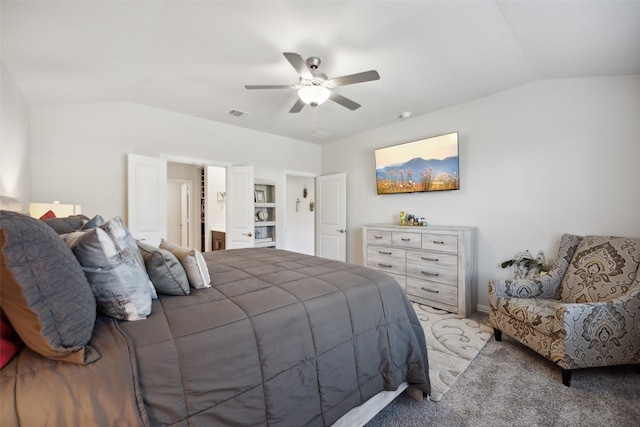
(10, 342)
(48, 215)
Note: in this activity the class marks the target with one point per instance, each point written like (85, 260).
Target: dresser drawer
(407, 240)
(434, 273)
(426, 291)
(388, 253)
(440, 242)
(391, 260)
(433, 260)
(388, 265)
(378, 237)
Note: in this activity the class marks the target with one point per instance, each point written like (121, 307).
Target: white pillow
(193, 263)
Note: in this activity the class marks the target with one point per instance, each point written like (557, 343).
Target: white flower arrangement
(525, 266)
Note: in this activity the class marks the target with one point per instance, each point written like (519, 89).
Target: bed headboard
(10, 204)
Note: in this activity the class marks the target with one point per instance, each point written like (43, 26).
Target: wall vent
(238, 113)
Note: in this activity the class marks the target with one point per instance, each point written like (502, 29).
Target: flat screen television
(429, 164)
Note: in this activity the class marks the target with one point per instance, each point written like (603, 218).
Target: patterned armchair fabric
(584, 313)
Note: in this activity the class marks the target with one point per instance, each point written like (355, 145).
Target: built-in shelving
(265, 214)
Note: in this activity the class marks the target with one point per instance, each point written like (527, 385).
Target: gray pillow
(192, 262)
(44, 291)
(165, 271)
(94, 222)
(120, 285)
(66, 225)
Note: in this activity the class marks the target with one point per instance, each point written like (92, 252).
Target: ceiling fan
(314, 87)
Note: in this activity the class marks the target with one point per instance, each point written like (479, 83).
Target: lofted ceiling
(194, 57)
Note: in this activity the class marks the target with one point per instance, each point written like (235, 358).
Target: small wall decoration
(305, 193)
(222, 196)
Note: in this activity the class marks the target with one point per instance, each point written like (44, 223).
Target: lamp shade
(314, 95)
(36, 210)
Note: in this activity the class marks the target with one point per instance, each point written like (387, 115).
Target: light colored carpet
(452, 343)
(510, 385)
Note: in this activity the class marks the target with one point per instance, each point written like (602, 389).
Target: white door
(147, 198)
(331, 216)
(185, 215)
(240, 212)
(179, 208)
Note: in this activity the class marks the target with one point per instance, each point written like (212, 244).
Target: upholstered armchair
(584, 313)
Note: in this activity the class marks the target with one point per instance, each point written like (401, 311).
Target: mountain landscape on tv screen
(418, 175)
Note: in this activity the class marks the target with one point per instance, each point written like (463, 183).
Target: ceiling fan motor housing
(313, 62)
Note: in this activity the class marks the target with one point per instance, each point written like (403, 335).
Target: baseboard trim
(482, 308)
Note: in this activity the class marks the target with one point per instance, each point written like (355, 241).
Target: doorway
(203, 205)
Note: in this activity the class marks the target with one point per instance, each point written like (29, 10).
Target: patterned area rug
(452, 342)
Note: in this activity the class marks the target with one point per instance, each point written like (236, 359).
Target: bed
(278, 339)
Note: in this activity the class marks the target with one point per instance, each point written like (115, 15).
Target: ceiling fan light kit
(314, 87)
(314, 95)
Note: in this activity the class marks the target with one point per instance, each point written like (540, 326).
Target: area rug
(452, 343)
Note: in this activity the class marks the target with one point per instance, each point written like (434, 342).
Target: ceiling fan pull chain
(315, 119)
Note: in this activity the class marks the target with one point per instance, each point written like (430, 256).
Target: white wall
(535, 162)
(299, 224)
(15, 164)
(78, 152)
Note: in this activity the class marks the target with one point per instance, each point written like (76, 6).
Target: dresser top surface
(420, 228)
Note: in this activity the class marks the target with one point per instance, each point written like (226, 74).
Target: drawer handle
(384, 253)
(429, 259)
(435, 291)
(438, 242)
(426, 273)
(405, 239)
(377, 237)
(385, 265)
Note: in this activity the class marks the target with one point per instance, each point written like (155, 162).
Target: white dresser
(436, 265)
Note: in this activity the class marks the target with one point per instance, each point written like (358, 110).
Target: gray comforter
(281, 339)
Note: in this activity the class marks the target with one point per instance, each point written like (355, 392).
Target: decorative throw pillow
(165, 271)
(120, 285)
(120, 233)
(10, 342)
(48, 215)
(68, 224)
(94, 222)
(44, 293)
(192, 262)
(602, 268)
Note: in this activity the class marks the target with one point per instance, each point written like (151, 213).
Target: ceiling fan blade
(297, 106)
(365, 76)
(268, 87)
(299, 64)
(345, 102)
